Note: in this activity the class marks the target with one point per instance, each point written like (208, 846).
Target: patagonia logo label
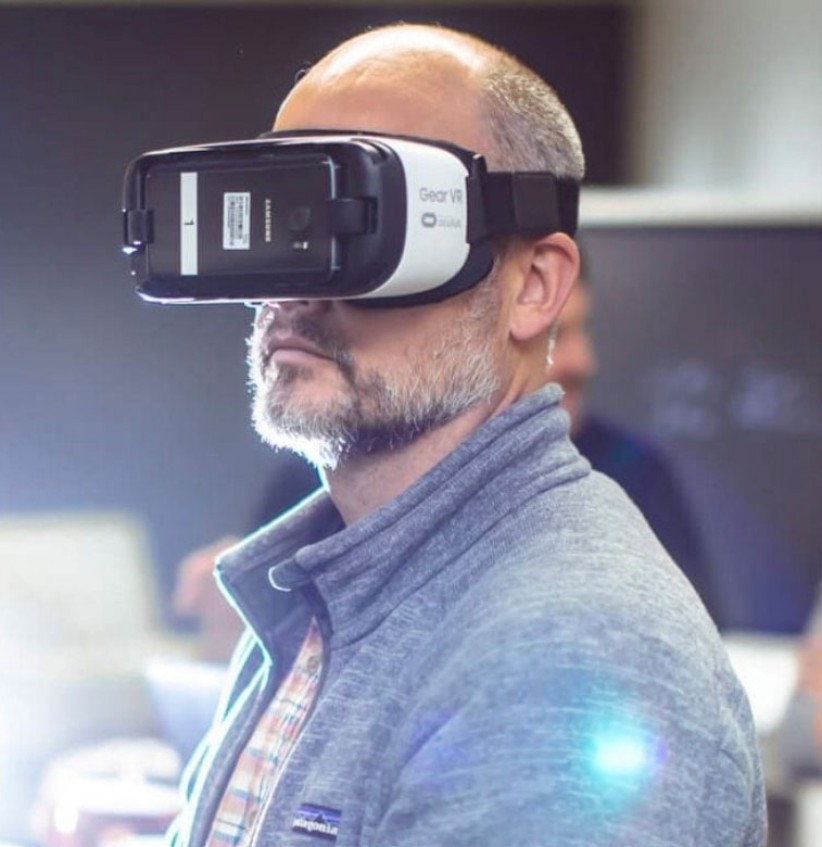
(317, 820)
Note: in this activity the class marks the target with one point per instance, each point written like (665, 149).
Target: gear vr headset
(385, 220)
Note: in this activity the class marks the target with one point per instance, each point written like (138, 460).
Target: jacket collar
(362, 572)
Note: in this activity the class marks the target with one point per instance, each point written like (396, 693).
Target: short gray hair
(530, 127)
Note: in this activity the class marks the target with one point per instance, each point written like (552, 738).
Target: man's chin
(304, 423)
(325, 454)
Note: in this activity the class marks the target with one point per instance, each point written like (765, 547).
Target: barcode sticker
(237, 220)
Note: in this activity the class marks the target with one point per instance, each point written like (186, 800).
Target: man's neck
(360, 485)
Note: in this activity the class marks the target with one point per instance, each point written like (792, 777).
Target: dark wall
(709, 341)
(108, 403)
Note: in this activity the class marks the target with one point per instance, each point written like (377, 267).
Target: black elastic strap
(522, 202)
(348, 215)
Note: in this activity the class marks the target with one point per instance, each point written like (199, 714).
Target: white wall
(729, 96)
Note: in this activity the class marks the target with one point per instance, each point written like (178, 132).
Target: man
(486, 644)
(636, 464)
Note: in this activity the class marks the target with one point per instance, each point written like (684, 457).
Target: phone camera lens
(299, 219)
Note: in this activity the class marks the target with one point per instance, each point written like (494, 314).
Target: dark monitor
(709, 339)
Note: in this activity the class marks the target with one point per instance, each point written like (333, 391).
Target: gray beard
(378, 412)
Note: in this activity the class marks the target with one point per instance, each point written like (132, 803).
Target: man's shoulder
(573, 665)
(610, 591)
(587, 600)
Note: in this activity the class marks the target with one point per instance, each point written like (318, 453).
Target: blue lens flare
(622, 754)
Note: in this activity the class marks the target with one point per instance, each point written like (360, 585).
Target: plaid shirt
(260, 764)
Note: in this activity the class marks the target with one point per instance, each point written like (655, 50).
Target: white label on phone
(237, 220)
(188, 223)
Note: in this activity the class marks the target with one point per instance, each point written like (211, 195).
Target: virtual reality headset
(381, 220)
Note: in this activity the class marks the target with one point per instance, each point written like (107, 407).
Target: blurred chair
(807, 825)
(79, 622)
(767, 668)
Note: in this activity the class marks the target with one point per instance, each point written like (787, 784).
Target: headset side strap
(521, 202)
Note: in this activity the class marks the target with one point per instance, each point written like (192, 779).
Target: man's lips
(285, 344)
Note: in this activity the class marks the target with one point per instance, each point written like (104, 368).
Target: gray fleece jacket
(510, 658)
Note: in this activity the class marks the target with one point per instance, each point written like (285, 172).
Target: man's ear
(551, 264)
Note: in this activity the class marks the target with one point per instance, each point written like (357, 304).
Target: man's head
(441, 84)
(335, 380)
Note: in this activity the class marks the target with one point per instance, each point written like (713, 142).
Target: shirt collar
(362, 572)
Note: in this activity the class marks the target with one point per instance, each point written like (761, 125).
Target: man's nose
(268, 310)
